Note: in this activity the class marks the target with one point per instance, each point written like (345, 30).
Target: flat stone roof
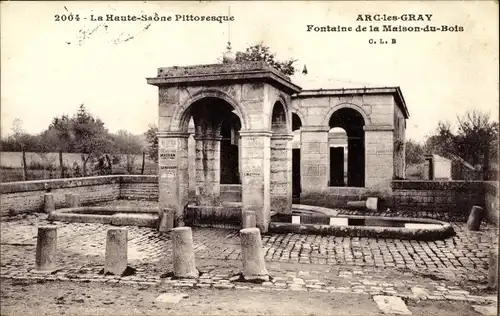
(395, 91)
(221, 73)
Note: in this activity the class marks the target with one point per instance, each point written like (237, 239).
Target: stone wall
(455, 197)
(139, 188)
(28, 196)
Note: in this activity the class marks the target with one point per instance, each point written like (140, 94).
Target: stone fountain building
(234, 123)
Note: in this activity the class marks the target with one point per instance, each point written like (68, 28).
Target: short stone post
(249, 219)
(46, 247)
(183, 253)
(254, 266)
(72, 199)
(116, 251)
(49, 204)
(475, 217)
(371, 204)
(166, 222)
(493, 269)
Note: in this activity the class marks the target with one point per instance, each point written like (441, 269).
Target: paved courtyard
(453, 269)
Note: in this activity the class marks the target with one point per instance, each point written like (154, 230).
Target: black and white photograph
(249, 158)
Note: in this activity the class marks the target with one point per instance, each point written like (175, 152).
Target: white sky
(441, 74)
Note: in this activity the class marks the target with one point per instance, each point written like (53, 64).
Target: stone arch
(288, 112)
(300, 116)
(180, 119)
(344, 105)
(278, 110)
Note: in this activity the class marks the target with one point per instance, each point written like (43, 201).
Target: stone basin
(361, 226)
(112, 215)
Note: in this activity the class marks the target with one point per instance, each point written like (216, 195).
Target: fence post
(25, 172)
(142, 166)
(61, 163)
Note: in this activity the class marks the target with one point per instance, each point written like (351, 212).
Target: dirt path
(70, 298)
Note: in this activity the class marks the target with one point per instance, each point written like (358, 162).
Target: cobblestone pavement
(454, 268)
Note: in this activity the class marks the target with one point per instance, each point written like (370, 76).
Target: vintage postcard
(249, 158)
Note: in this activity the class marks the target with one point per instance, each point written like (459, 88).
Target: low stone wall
(491, 201)
(453, 197)
(28, 196)
(139, 187)
(337, 197)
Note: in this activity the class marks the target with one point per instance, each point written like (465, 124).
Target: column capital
(378, 128)
(207, 137)
(315, 128)
(255, 133)
(168, 134)
(282, 136)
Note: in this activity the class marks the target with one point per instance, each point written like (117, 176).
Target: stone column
(192, 163)
(379, 156)
(212, 179)
(172, 175)
(255, 166)
(200, 170)
(281, 173)
(208, 169)
(314, 162)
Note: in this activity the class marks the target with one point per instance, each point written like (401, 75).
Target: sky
(49, 68)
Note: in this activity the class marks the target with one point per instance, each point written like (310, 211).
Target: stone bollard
(49, 204)
(493, 269)
(372, 203)
(72, 200)
(46, 246)
(356, 204)
(166, 222)
(183, 253)
(254, 266)
(475, 217)
(249, 219)
(116, 251)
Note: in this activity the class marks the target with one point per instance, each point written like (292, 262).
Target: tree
(82, 133)
(128, 145)
(443, 142)
(414, 153)
(152, 139)
(476, 140)
(92, 139)
(261, 52)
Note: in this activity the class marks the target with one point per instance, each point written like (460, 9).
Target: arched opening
(296, 125)
(216, 160)
(347, 148)
(278, 118)
(229, 150)
(337, 144)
